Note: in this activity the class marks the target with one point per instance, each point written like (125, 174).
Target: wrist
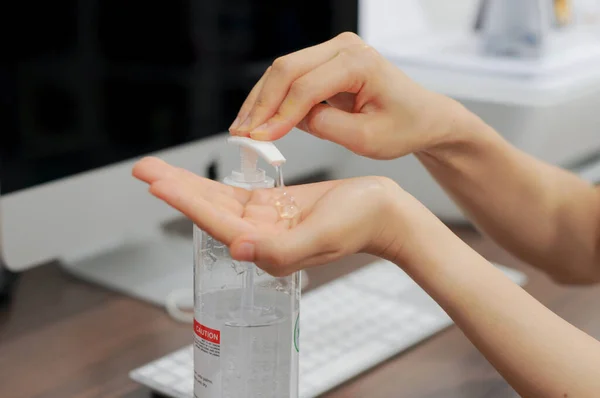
(406, 227)
(458, 131)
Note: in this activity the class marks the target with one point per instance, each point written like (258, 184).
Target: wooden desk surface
(61, 338)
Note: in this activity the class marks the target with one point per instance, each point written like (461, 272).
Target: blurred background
(94, 85)
(90, 86)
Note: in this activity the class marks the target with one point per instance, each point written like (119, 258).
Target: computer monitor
(97, 84)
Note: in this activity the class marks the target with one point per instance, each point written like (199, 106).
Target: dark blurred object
(8, 278)
(8, 281)
(481, 11)
(95, 82)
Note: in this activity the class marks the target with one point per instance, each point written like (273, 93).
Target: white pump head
(250, 176)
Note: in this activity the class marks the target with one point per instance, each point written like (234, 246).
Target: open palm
(336, 217)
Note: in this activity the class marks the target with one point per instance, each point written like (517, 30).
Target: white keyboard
(347, 326)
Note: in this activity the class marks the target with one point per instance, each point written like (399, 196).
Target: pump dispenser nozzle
(249, 176)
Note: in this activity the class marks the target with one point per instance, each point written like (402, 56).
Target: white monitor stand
(149, 269)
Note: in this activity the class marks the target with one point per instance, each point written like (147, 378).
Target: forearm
(537, 352)
(542, 214)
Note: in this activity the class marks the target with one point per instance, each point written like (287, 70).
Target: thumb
(280, 254)
(351, 130)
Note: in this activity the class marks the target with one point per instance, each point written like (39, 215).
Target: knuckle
(281, 66)
(346, 52)
(361, 60)
(368, 56)
(349, 38)
(382, 187)
(369, 52)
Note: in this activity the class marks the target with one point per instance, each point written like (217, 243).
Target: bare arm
(537, 352)
(542, 214)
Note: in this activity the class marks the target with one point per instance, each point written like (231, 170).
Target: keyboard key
(164, 378)
(166, 363)
(185, 386)
(430, 320)
(397, 337)
(147, 371)
(182, 356)
(182, 371)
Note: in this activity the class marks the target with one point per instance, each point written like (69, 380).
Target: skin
(540, 213)
(248, 222)
(343, 91)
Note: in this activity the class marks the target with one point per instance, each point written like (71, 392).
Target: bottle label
(207, 358)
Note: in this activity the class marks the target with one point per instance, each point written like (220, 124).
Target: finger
(152, 169)
(343, 101)
(281, 253)
(248, 103)
(354, 131)
(285, 71)
(222, 225)
(345, 73)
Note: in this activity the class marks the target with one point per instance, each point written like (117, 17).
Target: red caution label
(208, 334)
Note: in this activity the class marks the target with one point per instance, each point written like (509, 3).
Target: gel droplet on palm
(285, 203)
(287, 208)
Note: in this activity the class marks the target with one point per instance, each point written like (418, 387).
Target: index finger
(151, 170)
(284, 72)
(345, 73)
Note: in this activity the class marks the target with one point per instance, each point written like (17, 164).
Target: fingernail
(246, 251)
(235, 124)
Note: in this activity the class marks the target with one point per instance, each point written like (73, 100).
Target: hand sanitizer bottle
(246, 322)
